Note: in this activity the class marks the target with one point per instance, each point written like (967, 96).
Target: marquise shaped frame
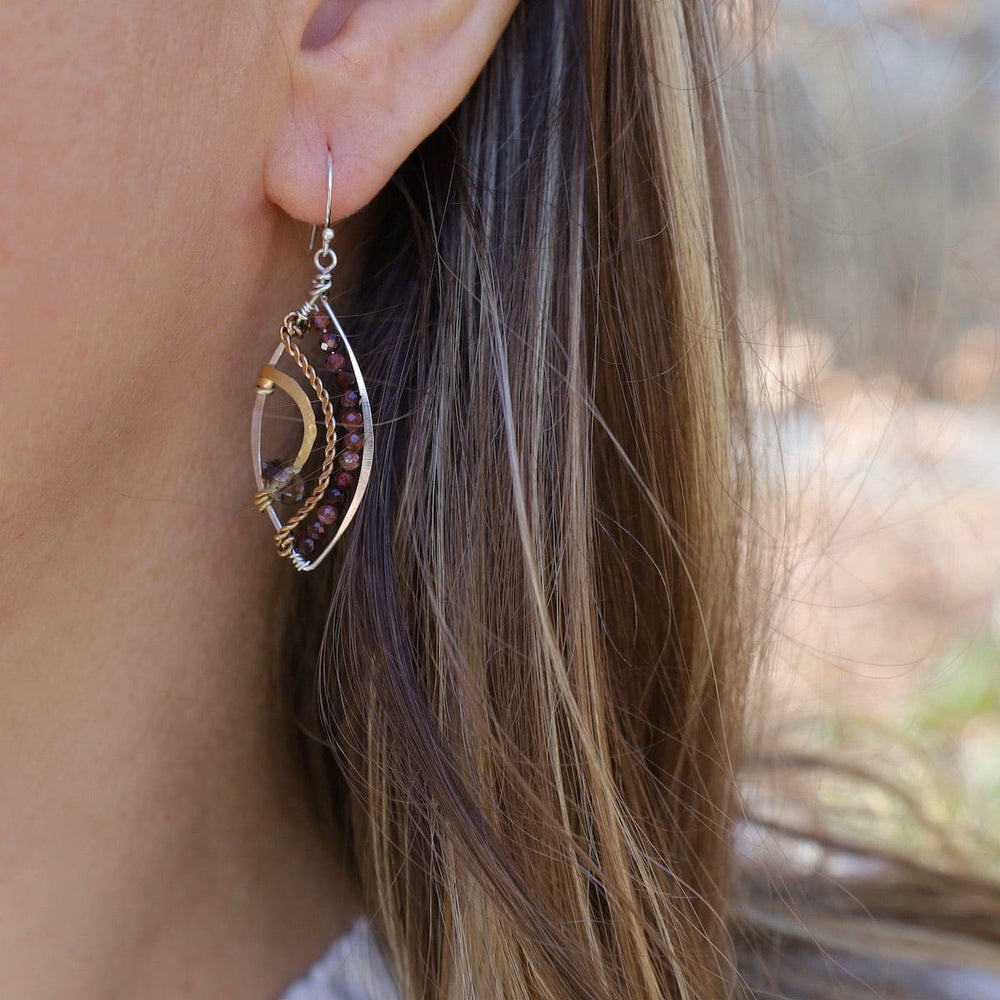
(326, 545)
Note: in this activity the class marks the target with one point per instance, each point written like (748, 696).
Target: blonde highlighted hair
(538, 640)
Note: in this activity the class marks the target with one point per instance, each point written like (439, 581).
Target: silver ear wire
(329, 187)
(327, 228)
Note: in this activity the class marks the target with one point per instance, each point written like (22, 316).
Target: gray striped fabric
(351, 969)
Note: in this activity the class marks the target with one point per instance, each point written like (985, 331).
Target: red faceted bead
(336, 362)
(330, 341)
(305, 547)
(316, 530)
(349, 460)
(350, 399)
(344, 480)
(336, 496)
(345, 379)
(352, 418)
(327, 513)
(319, 320)
(354, 441)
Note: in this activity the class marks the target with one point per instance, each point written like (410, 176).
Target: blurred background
(879, 403)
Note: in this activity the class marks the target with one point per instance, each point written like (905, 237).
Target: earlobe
(371, 79)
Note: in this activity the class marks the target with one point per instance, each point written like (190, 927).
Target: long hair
(537, 639)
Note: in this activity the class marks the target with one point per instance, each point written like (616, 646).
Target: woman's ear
(368, 81)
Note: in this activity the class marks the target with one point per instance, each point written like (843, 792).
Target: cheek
(121, 172)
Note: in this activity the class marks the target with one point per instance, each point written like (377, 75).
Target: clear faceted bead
(283, 483)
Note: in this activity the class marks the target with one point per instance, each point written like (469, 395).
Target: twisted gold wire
(291, 328)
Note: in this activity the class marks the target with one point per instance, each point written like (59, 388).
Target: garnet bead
(352, 418)
(316, 530)
(327, 513)
(344, 480)
(350, 399)
(349, 460)
(319, 320)
(354, 441)
(336, 362)
(305, 547)
(336, 496)
(345, 379)
(329, 341)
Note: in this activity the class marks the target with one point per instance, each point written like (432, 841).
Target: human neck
(157, 838)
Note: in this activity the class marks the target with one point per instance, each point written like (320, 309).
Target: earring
(312, 496)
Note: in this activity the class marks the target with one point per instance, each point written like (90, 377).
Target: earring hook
(327, 227)
(329, 187)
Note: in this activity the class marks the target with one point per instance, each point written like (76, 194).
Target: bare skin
(157, 837)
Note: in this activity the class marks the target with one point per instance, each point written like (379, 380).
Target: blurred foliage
(887, 181)
(921, 775)
(885, 198)
(963, 693)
